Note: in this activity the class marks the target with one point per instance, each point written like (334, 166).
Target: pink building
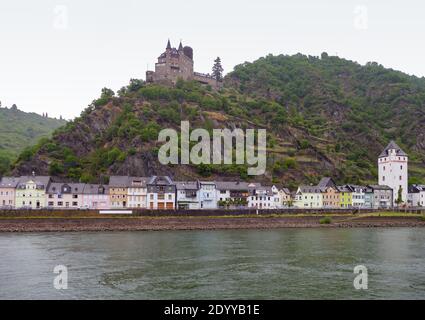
(96, 197)
(7, 192)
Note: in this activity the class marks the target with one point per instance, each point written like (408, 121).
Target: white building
(393, 170)
(207, 195)
(358, 195)
(416, 197)
(308, 197)
(264, 198)
(65, 195)
(137, 192)
(161, 193)
(95, 197)
(187, 195)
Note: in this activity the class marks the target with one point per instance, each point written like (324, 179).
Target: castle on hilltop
(178, 63)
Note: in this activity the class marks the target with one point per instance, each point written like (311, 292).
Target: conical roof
(393, 146)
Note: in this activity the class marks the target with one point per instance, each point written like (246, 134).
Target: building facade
(393, 170)
(118, 192)
(416, 196)
(207, 195)
(161, 193)
(65, 196)
(31, 192)
(308, 197)
(137, 192)
(346, 196)
(187, 195)
(7, 192)
(96, 197)
(379, 197)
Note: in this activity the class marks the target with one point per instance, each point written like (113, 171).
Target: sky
(56, 56)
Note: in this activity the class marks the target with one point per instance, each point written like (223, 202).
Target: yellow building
(118, 192)
(31, 192)
(346, 197)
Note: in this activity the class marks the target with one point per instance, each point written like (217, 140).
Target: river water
(237, 264)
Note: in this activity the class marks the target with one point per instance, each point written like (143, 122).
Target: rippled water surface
(240, 264)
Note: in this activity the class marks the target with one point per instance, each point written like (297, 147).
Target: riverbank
(60, 224)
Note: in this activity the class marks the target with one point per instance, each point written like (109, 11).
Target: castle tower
(393, 170)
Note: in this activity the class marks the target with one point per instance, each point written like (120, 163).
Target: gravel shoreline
(198, 223)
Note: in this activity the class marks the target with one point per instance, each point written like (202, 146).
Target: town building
(118, 191)
(346, 196)
(64, 195)
(393, 170)
(357, 195)
(187, 195)
(96, 197)
(308, 197)
(178, 63)
(137, 192)
(416, 196)
(207, 195)
(263, 198)
(161, 193)
(31, 192)
(330, 193)
(286, 197)
(7, 192)
(378, 197)
(234, 194)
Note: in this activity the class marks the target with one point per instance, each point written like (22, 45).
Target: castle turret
(169, 45)
(393, 170)
(180, 47)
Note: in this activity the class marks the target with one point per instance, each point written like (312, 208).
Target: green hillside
(19, 130)
(324, 116)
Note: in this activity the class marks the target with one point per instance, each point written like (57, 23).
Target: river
(239, 264)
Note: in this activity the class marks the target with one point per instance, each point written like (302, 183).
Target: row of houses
(161, 192)
(157, 192)
(327, 194)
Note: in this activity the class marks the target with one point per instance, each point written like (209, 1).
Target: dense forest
(324, 116)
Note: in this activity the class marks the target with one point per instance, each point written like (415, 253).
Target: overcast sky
(57, 55)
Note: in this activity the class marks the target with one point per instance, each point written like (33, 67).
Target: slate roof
(9, 182)
(94, 189)
(138, 182)
(119, 181)
(327, 182)
(310, 189)
(377, 187)
(39, 180)
(416, 188)
(187, 185)
(390, 146)
(154, 180)
(55, 188)
(236, 186)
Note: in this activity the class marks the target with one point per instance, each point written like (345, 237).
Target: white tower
(392, 170)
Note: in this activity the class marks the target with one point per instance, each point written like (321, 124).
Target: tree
(217, 69)
(399, 196)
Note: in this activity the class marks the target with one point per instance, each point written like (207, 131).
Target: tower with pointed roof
(393, 170)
